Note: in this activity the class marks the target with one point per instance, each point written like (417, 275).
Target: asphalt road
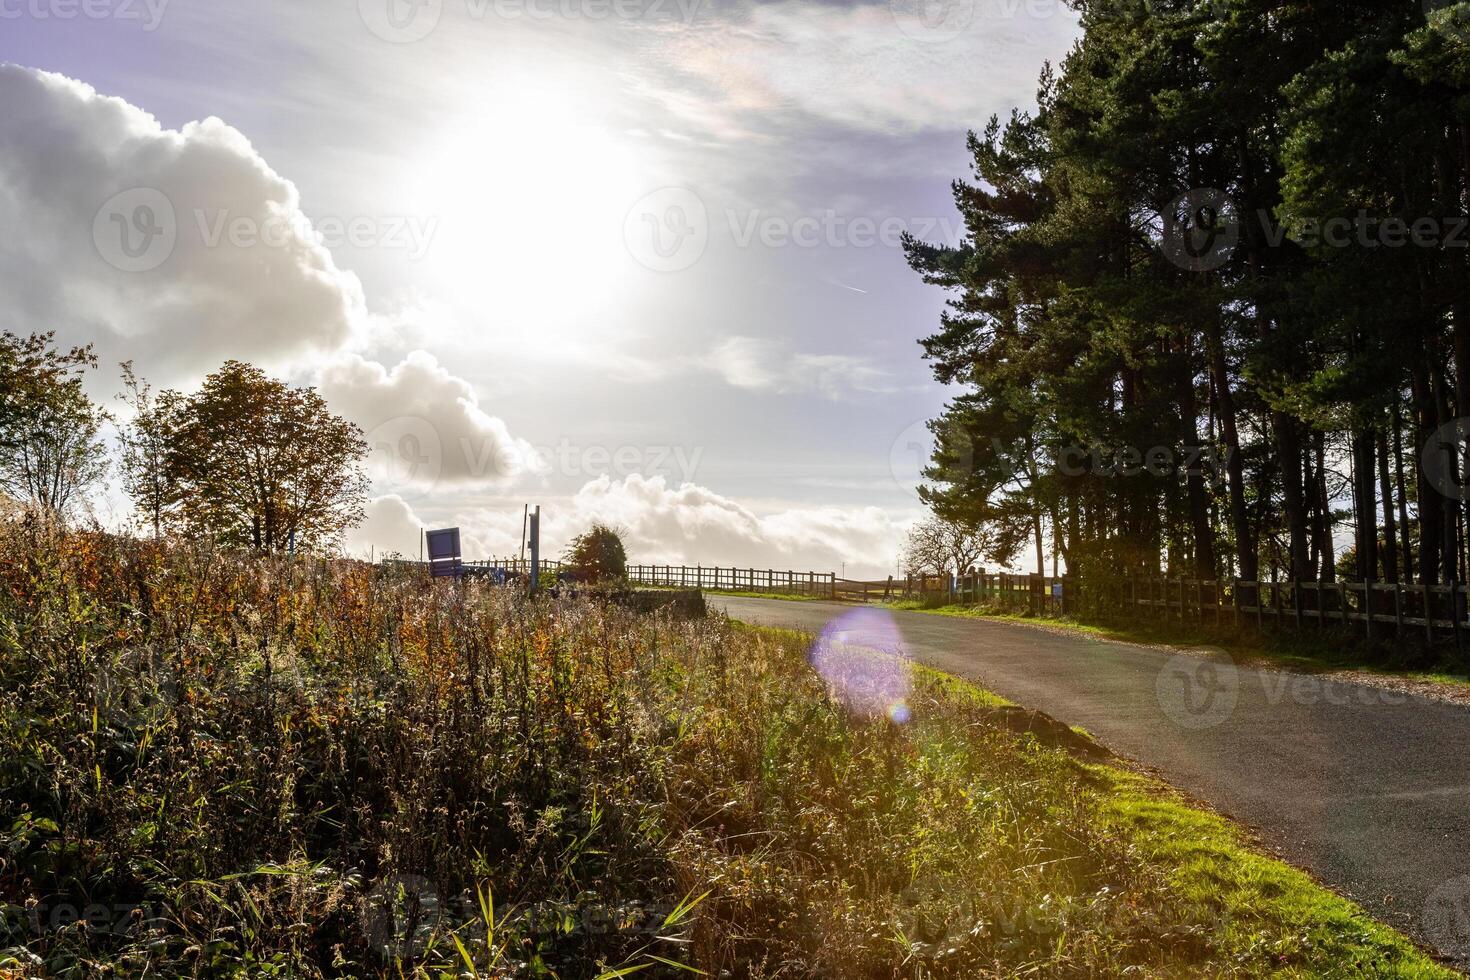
(1367, 787)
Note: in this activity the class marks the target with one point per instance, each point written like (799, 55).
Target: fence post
(1368, 606)
(1455, 616)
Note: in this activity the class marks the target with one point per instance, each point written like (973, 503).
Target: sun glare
(530, 195)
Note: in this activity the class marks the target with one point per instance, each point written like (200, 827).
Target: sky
(635, 261)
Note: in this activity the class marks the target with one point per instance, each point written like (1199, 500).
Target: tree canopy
(597, 555)
(255, 462)
(51, 447)
(1213, 291)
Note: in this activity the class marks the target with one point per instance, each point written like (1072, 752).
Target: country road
(1365, 786)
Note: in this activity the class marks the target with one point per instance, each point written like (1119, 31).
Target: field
(215, 765)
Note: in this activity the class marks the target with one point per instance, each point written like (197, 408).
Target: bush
(597, 555)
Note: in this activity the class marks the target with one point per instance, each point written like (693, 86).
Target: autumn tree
(937, 545)
(145, 442)
(51, 448)
(261, 464)
(598, 555)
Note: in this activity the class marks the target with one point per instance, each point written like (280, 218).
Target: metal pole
(525, 510)
(535, 524)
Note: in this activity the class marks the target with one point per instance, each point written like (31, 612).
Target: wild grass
(222, 766)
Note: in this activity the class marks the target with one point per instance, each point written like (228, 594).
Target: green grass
(219, 765)
(1246, 905)
(1262, 908)
(1309, 649)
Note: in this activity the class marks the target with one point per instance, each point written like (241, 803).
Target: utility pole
(535, 519)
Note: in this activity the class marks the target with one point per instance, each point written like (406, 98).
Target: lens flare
(860, 655)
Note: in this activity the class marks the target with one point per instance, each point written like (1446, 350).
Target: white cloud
(769, 365)
(874, 67)
(691, 524)
(662, 524)
(424, 424)
(125, 234)
(391, 526)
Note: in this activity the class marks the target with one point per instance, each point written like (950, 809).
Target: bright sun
(530, 197)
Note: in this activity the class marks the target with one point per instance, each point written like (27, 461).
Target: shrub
(598, 555)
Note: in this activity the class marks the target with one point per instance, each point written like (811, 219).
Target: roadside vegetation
(223, 765)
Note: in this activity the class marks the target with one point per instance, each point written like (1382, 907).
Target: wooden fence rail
(1376, 606)
(731, 579)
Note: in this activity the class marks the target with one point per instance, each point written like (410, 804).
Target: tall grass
(219, 765)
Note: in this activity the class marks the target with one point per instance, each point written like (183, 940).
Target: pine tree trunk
(1325, 546)
(1199, 504)
(1240, 526)
(1431, 507)
(1403, 487)
(1365, 508)
(1390, 531)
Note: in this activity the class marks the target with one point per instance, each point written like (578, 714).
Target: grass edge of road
(1327, 650)
(1220, 871)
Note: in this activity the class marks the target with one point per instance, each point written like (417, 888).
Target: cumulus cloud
(662, 524)
(392, 526)
(177, 247)
(750, 362)
(691, 524)
(425, 425)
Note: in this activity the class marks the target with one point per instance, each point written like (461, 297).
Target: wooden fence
(1040, 595)
(1378, 607)
(729, 579)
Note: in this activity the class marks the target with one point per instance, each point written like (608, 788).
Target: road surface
(1366, 786)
